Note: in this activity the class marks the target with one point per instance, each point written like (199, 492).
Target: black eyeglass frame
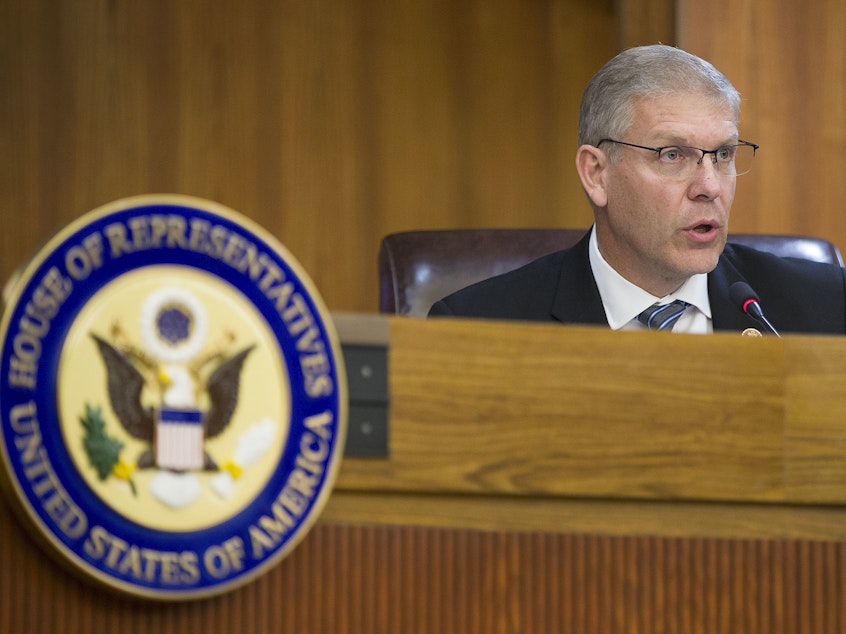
(658, 150)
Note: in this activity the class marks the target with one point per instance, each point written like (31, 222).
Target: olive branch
(103, 450)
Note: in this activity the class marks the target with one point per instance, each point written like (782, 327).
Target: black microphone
(747, 300)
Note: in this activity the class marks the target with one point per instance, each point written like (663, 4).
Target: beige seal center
(122, 469)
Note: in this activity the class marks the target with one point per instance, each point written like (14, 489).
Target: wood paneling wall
(331, 122)
(389, 579)
(788, 59)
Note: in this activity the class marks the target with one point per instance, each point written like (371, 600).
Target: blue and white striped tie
(663, 316)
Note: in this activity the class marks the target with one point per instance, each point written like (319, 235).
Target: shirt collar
(624, 301)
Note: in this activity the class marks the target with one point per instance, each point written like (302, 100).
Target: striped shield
(179, 439)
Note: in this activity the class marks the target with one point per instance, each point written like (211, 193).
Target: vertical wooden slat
(398, 579)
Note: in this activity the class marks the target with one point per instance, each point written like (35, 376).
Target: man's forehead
(684, 114)
(685, 104)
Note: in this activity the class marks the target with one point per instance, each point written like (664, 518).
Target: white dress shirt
(623, 301)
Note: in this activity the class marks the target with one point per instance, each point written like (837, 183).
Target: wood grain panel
(385, 579)
(815, 433)
(544, 426)
(642, 22)
(537, 410)
(331, 123)
(575, 514)
(788, 60)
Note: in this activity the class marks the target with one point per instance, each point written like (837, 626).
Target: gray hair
(607, 109)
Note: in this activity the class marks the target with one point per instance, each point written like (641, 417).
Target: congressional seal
(173, 398)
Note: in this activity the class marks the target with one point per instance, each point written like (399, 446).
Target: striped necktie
(663, 316)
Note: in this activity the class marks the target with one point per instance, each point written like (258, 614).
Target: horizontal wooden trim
(678, 519)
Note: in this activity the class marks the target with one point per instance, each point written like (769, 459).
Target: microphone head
(742, 295)
(747, 301)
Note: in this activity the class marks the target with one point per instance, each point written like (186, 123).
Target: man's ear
(591, 164)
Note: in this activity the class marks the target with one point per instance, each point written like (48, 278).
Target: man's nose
(708, 180)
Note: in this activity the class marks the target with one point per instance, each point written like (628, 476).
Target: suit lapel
(577, 298)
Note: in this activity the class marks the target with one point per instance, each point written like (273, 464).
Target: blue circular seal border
(177, 565)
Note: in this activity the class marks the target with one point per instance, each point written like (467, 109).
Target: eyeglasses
(681, 161)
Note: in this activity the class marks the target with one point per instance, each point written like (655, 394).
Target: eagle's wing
(125, 383)
(223, 386)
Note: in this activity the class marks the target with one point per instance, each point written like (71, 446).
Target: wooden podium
(545, 478)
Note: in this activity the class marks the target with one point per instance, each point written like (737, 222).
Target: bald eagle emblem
(176, 431)
(171, 398)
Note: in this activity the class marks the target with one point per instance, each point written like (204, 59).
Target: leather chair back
(417, 268)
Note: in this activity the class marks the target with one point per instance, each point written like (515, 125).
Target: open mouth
(704, 228)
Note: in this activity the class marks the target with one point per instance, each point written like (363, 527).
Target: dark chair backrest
(417, 268)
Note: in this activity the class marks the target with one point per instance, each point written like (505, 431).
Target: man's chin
(703, 261)
(703, 265)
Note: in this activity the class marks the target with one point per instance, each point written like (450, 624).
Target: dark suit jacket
(796, 295)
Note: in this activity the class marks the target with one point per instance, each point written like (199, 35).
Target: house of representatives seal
(173, 397)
